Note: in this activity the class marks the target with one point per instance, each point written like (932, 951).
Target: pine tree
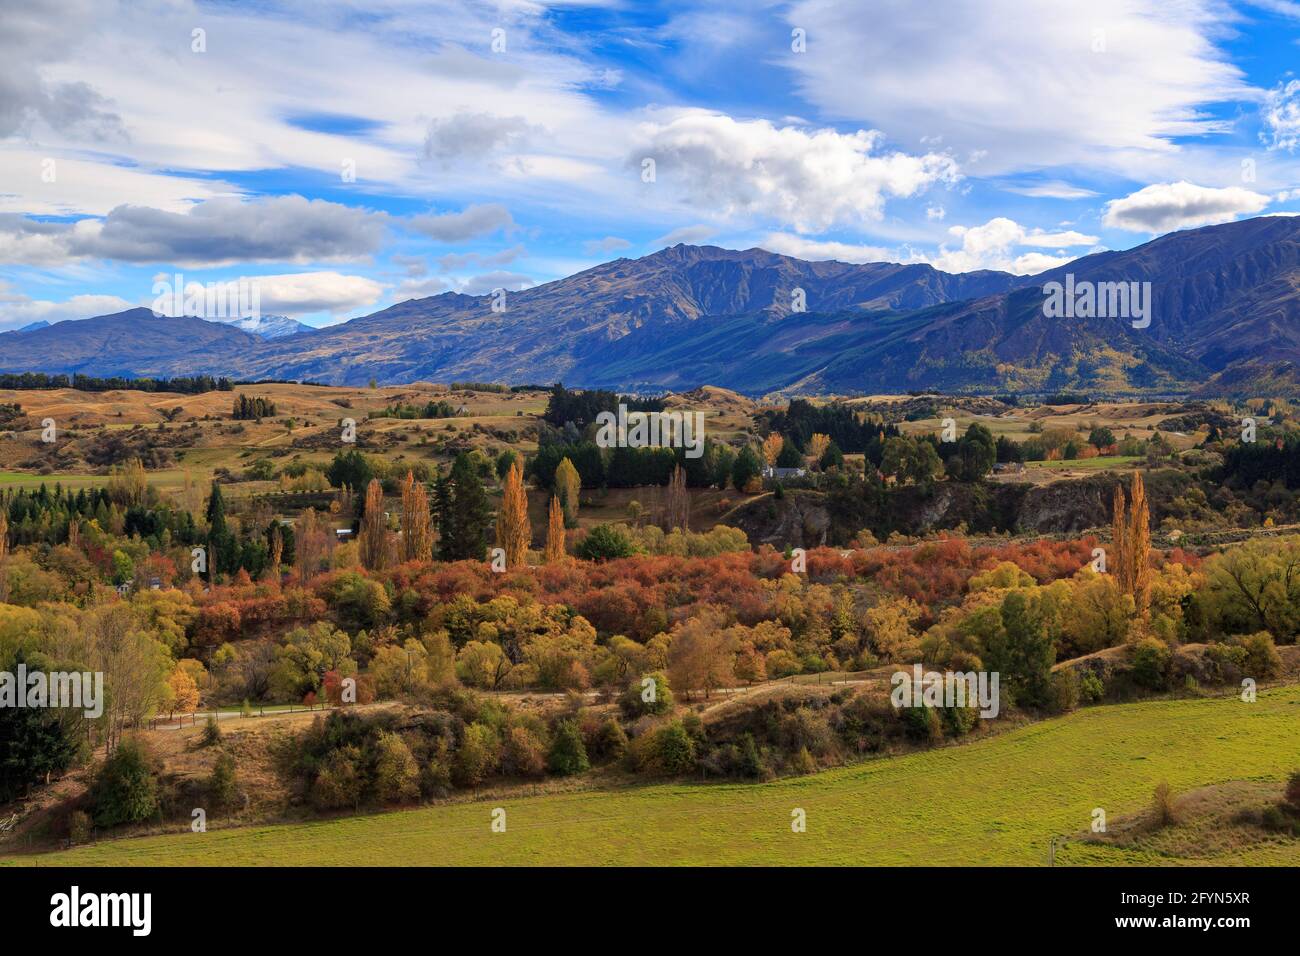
(216, 513)
(444, 507)
(470, 513)
(374, 531)
(513, 531)
(555, 532)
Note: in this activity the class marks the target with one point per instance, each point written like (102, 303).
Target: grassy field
(1100, 463)
(996, 801)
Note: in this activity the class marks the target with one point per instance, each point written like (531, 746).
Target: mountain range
(1224, 320)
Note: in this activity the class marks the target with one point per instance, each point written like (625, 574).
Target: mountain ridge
(1224, 305)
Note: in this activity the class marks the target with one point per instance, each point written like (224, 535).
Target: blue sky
(352, 158)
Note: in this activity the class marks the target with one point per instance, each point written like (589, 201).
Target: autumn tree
(568, 484)
(4, 550)
(677, 504)
(702, 653)
(1131, 542)
(277, 551)
(417, 530)
(183, 692)
(311, 538)
(817, 446)
(514, 534)
(374, 529)
(555, 532)
(772, 446)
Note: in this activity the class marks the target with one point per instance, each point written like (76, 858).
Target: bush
(1150, 663)
(211, 733)
(1066, 690)
(1091, 688)
(1291, 797)
(338, 783)
(478, 756)
(1164, 811)
(611, 740)
(633, 702)
(126, 790)
(674, 750)
(397, 776)
(1262, 660)
(568, 754)
(920, 723)
(803, 762)
(222, 785)
(79, 827)
(525, 755)
(605, 542)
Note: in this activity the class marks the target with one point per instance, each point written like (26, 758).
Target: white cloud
(1164, 207)
(301, 293)
(596, 247)
(17, 309)
(993, 246)
(691, 235)
(808, 181)
(1031, 84)
(1281, 117)
(801, 248)
(1054, 189)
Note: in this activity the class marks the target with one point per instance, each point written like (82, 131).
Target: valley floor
(1000, 800)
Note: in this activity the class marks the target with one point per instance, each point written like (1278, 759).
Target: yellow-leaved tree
(514, 534)
(568, 484)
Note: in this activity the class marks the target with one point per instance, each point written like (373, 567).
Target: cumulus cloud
(301, 293)
(217, 232)
(471, 222)
(801, 248)
(1164, 207)
(994, 246)
(805, 180)
(17, 309)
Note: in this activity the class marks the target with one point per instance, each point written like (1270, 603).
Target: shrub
(1066, 690)
(611, 740)
(674, 749)
(803, 762)
(568, 754)
(1163, 807)
(478, 756)
(338, 783)
(397, 776)
(1150, 663)
(1291, 797)
(1262, 660)
(211, 733)
(126, 790)
(920, 723)
(222, 785)
(633, 702)
(79, 827)
(1091, 688)
(524, 754)
(605, 542)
